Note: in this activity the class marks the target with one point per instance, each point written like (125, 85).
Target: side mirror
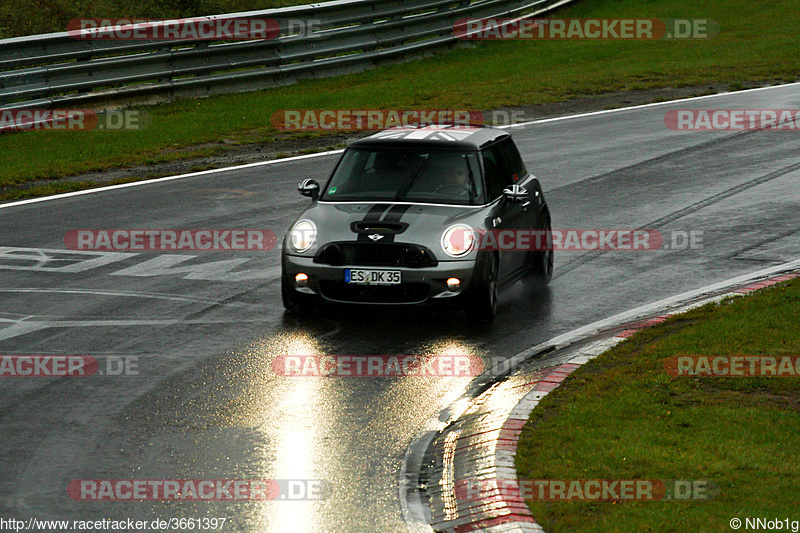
(309, 188)
(515, 193)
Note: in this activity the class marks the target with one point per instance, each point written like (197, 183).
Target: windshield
(379, 174)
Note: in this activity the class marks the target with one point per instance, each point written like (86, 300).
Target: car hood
(421, 224)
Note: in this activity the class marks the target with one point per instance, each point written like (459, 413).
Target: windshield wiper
(402, 192)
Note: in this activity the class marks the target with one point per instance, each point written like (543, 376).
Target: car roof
(433, 137)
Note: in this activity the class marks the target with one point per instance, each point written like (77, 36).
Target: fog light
(453, 284)
(301, 280)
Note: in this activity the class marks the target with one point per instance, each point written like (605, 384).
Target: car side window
(517, 166)
(496, 171)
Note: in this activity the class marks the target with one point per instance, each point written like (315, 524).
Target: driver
(455, 179)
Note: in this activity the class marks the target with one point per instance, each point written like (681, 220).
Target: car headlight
(303, 235)
(458, 240)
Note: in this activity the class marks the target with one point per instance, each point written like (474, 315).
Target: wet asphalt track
(205, 403)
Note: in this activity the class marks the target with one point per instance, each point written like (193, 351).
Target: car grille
(375, 254)
(390, 294)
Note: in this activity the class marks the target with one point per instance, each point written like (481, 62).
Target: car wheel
(540, 262)
(294, 303)
(483, 305)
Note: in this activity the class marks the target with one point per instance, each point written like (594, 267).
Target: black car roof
(433, 137)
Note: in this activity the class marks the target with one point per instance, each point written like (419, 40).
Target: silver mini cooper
(400, 219)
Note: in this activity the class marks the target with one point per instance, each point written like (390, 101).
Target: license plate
(372, 277)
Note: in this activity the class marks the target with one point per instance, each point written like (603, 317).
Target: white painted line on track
(333, 152)
(124, 294)
(642, 106)
(166, 178)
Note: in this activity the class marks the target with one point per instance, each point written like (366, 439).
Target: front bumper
(418, 286)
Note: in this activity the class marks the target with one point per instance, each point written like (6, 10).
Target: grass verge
(621, 416)
(758, 43)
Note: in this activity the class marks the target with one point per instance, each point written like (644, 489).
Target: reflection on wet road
(205, 401)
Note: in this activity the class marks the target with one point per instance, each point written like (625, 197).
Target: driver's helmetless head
(457, 174)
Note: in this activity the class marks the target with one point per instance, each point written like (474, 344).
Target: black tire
(540, 262)
(483, 302)
(294, 303)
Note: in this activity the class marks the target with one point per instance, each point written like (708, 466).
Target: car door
(505, 216)
(519, 174)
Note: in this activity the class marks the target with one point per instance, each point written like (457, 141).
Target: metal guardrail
(58, 70)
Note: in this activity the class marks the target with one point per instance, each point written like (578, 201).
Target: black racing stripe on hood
(376, 211)
(396, 212)
(394, 215)
(374, 214)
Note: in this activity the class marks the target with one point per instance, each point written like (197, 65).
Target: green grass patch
(758, 43)
(18, 19)
(621, 416)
